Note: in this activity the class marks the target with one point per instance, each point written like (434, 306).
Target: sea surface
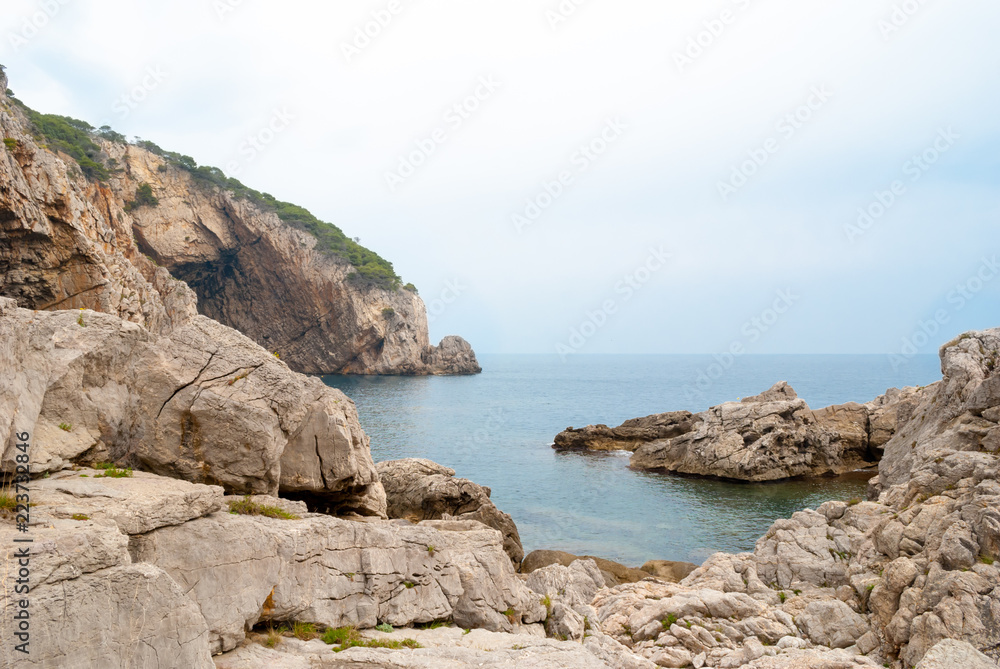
(497, 429)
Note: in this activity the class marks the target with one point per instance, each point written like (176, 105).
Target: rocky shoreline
(212, 542)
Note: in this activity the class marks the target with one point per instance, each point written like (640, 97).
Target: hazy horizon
(628, 178)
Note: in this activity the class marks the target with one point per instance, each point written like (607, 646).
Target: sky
(588, 176)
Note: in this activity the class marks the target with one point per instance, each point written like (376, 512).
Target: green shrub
(410, 287)
(80, 516)
(385, 627)
(107, 133)
(389, 312)
(72, 137)
(65, 427)
(248, 507)
(304, 631)
(10, 143)
(111, 471)
(143, 198)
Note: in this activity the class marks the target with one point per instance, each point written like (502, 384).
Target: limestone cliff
(145, 235)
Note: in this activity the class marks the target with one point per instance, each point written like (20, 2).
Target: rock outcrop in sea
(143, 234)
(767, 437)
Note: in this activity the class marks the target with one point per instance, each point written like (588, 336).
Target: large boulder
(90, 606)
(419, 489)
(204, 404)
(336, 572)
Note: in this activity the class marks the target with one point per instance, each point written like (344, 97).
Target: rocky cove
(252, 503)
(192, 500)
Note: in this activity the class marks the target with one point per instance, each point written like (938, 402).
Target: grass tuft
(248, 507)
(111, 471)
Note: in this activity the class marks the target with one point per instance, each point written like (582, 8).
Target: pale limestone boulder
(951, 654)
(136, 504)
(91, 607)
(337, 572)
(419, 489)
(203, 404)
(576, 585)
(831, 623)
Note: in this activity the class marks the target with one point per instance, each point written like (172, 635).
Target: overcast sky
(669, 99)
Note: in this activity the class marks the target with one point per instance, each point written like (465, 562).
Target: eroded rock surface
(423, 490)
(204, 404)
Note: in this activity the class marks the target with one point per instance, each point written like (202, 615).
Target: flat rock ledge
(768, 437)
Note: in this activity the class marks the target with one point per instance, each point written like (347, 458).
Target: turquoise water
(496, 429)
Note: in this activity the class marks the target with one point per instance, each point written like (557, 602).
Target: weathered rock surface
(443, 648)
(951, 654)
(204, 404)
(667, 570)
(776, 435)
(423, 490)
(68, 243)
(335, 572)
(91, 607)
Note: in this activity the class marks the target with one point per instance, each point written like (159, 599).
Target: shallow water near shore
(496, 429)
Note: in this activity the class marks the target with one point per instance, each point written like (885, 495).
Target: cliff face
(68, 242)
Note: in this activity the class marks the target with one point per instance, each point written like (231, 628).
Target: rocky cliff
(89, 220)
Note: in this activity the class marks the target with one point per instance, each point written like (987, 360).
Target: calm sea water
(497, 428)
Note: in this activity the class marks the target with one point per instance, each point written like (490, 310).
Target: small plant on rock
(248, 507)
(385, 627)
(80, 516)
(65, 427)
(10, 143)
(111, 471)
(304, 631)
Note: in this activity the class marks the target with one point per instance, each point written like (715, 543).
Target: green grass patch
(248, 507)
(349, 637)
(668, 621)
(65, 427)
(10, 143)
(304, 631)
(80, 516)
(111, 471)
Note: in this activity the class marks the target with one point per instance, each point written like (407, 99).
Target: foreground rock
(69, 242)
(204, 404)
(768, 437)
(424, 490)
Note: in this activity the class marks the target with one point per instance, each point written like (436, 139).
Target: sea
(497, 428)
